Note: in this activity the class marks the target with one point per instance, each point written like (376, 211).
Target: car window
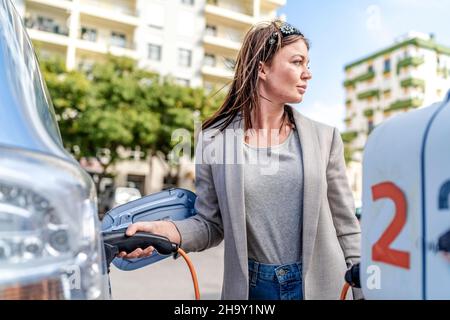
(45, 107)
(24, 94)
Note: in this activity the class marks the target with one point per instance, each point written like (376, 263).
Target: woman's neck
(269, 116)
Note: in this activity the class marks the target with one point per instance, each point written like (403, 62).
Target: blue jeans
(275, 282)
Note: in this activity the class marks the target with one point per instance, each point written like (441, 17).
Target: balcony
(46, 37)
(272, 5)
(118, 6)
(404, 104)
(223, 15)
(111, 11)
(369, 94)
(410, 61)
(368, 113)
(443, 72)
(413, 83)
(278, 3)
(47, 30)
(217, 73)
(364, 77)
(102, 37)
(241, 6)
(47, 25)
(221, 45)
(61, 4)
(104, 47)
(349, 136)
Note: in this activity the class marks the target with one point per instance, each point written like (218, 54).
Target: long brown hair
(243, 94)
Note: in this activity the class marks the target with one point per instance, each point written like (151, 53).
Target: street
(170, 279)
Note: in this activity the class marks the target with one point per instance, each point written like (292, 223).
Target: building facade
(193, 41)
(226, 22)
(412, 73)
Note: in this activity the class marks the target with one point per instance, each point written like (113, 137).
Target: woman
(290, 230)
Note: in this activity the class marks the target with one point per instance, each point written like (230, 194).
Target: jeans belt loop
(255, 273)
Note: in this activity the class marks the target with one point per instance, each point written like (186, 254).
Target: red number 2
(381, 250)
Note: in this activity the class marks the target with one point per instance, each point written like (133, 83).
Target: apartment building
(226, 22)
(194, 41)
(412, 73)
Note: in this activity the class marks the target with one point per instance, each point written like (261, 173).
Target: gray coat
(331, 232)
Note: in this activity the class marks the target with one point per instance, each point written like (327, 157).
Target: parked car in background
(50, 240)
(112, 197)
(358, 209)
(123, 195)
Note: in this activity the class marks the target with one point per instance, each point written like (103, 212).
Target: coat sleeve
(205, 229)
(340, 199)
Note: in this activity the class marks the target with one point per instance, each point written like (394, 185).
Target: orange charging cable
(344, 291)
(193, 274)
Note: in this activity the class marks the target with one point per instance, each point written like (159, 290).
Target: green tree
(70, 94)
(116, 104)
(122, 111)
(347, 138)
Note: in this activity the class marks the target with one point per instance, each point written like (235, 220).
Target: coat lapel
(234, 190)
(312, 190)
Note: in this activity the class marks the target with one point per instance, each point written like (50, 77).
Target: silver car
(50, 240)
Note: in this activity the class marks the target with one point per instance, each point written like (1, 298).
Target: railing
(109, 43)
(47, 26)
(369, 94)
(413, 82)
(369, 113)
(405, 104)
(111, 6)
(232, 6)
(364, 77)
(409, 61)
(349, 136)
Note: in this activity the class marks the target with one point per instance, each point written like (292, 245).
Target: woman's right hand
(162, 228)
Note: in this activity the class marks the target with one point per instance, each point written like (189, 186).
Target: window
(189, 2)
(136, 181)
(211, 30)
(45, 24)
(387, 65)
(370, 69)
(209, 87)
(184, 57)
(154, 26)
(154, 52)
(88, 34)
(405, 54)
(183, 82)
(154, 14)
(230, 63)
(86, 65)
(210, 60)
(118, 39)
